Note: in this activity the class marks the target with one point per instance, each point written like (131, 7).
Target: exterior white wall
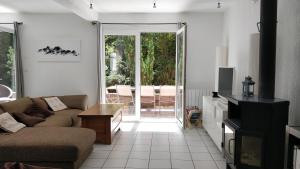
(46, 78)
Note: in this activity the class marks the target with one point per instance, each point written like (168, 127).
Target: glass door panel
(7, 62)
(180, 75)
(158, 57)
(120, 71)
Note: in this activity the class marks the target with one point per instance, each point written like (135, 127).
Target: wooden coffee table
(105, 119)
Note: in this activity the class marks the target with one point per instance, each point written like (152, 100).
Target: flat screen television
(225, 81)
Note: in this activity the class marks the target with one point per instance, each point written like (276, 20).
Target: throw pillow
(40, 102)
(55, 104)
(29, 121)
(1, 111)
(9, 124)
(38, 111)
(18, 106)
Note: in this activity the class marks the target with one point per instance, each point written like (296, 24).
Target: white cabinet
(214, 112)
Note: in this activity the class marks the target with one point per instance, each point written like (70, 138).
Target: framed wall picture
(58, 50)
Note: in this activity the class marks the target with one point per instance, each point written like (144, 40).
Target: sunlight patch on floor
(157, 127)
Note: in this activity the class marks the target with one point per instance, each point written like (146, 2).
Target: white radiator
(194, 97)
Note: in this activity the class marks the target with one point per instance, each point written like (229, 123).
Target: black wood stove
(254, 133)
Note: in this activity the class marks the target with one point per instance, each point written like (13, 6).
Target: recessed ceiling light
(154, 4)
(91, 4)
(219, 5)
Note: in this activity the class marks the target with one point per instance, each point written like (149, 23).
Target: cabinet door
(204, 114)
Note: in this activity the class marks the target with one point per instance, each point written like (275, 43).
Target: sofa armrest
(75, 101)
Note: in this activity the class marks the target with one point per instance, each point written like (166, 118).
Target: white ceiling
(32, 6)
(112, 6)
(163, 6)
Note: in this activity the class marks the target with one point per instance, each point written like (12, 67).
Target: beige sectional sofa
(56, 142)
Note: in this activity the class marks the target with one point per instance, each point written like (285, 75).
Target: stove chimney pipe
(267, 58)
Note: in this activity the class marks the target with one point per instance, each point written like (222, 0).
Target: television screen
(225, 81)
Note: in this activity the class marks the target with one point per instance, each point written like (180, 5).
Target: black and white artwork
(58, 50)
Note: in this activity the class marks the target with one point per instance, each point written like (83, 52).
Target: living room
(228, 24)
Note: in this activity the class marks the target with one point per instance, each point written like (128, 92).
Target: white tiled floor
(156, 146)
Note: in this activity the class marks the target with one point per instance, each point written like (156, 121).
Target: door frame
(182, 30)
(135, 31)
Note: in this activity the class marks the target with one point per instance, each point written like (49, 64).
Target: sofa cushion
(55, 103)
(38, 111)
(71, 112)
(29, 121)
(17, 106)
(74, 101)
(57, 120)
(1, 111)
(40, 102)
(46, 144)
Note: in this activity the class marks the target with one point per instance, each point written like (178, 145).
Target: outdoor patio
(156, 101)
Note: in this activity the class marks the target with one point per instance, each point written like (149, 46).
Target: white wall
(41, 78)
(49, 78)
(288, 56)
(240, 23)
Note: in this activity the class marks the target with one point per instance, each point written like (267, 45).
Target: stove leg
(227, 166)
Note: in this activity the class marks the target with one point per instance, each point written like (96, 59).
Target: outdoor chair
(167, 96)
(148, 95)
(111, 97)
(125, 96)
(6, 93)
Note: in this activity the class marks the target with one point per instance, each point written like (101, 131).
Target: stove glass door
(251, 151)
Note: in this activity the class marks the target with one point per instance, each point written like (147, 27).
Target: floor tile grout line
(189, 151)
(130, 150)
(114, 145)
(128, 156)
(208, 150)
(170, 150)
(150, 150)
(108, 156)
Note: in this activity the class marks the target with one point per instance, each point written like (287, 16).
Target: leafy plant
(147, 64)
(7, 56)
(158, 52)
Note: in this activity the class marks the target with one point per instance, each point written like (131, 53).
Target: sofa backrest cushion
(75, 101)
(40, 102)
(29, 121)
(1, 111)
(17, 106)
(37, 111)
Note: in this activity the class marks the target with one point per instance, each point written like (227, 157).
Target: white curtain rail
(5, 23)
(139, 23)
